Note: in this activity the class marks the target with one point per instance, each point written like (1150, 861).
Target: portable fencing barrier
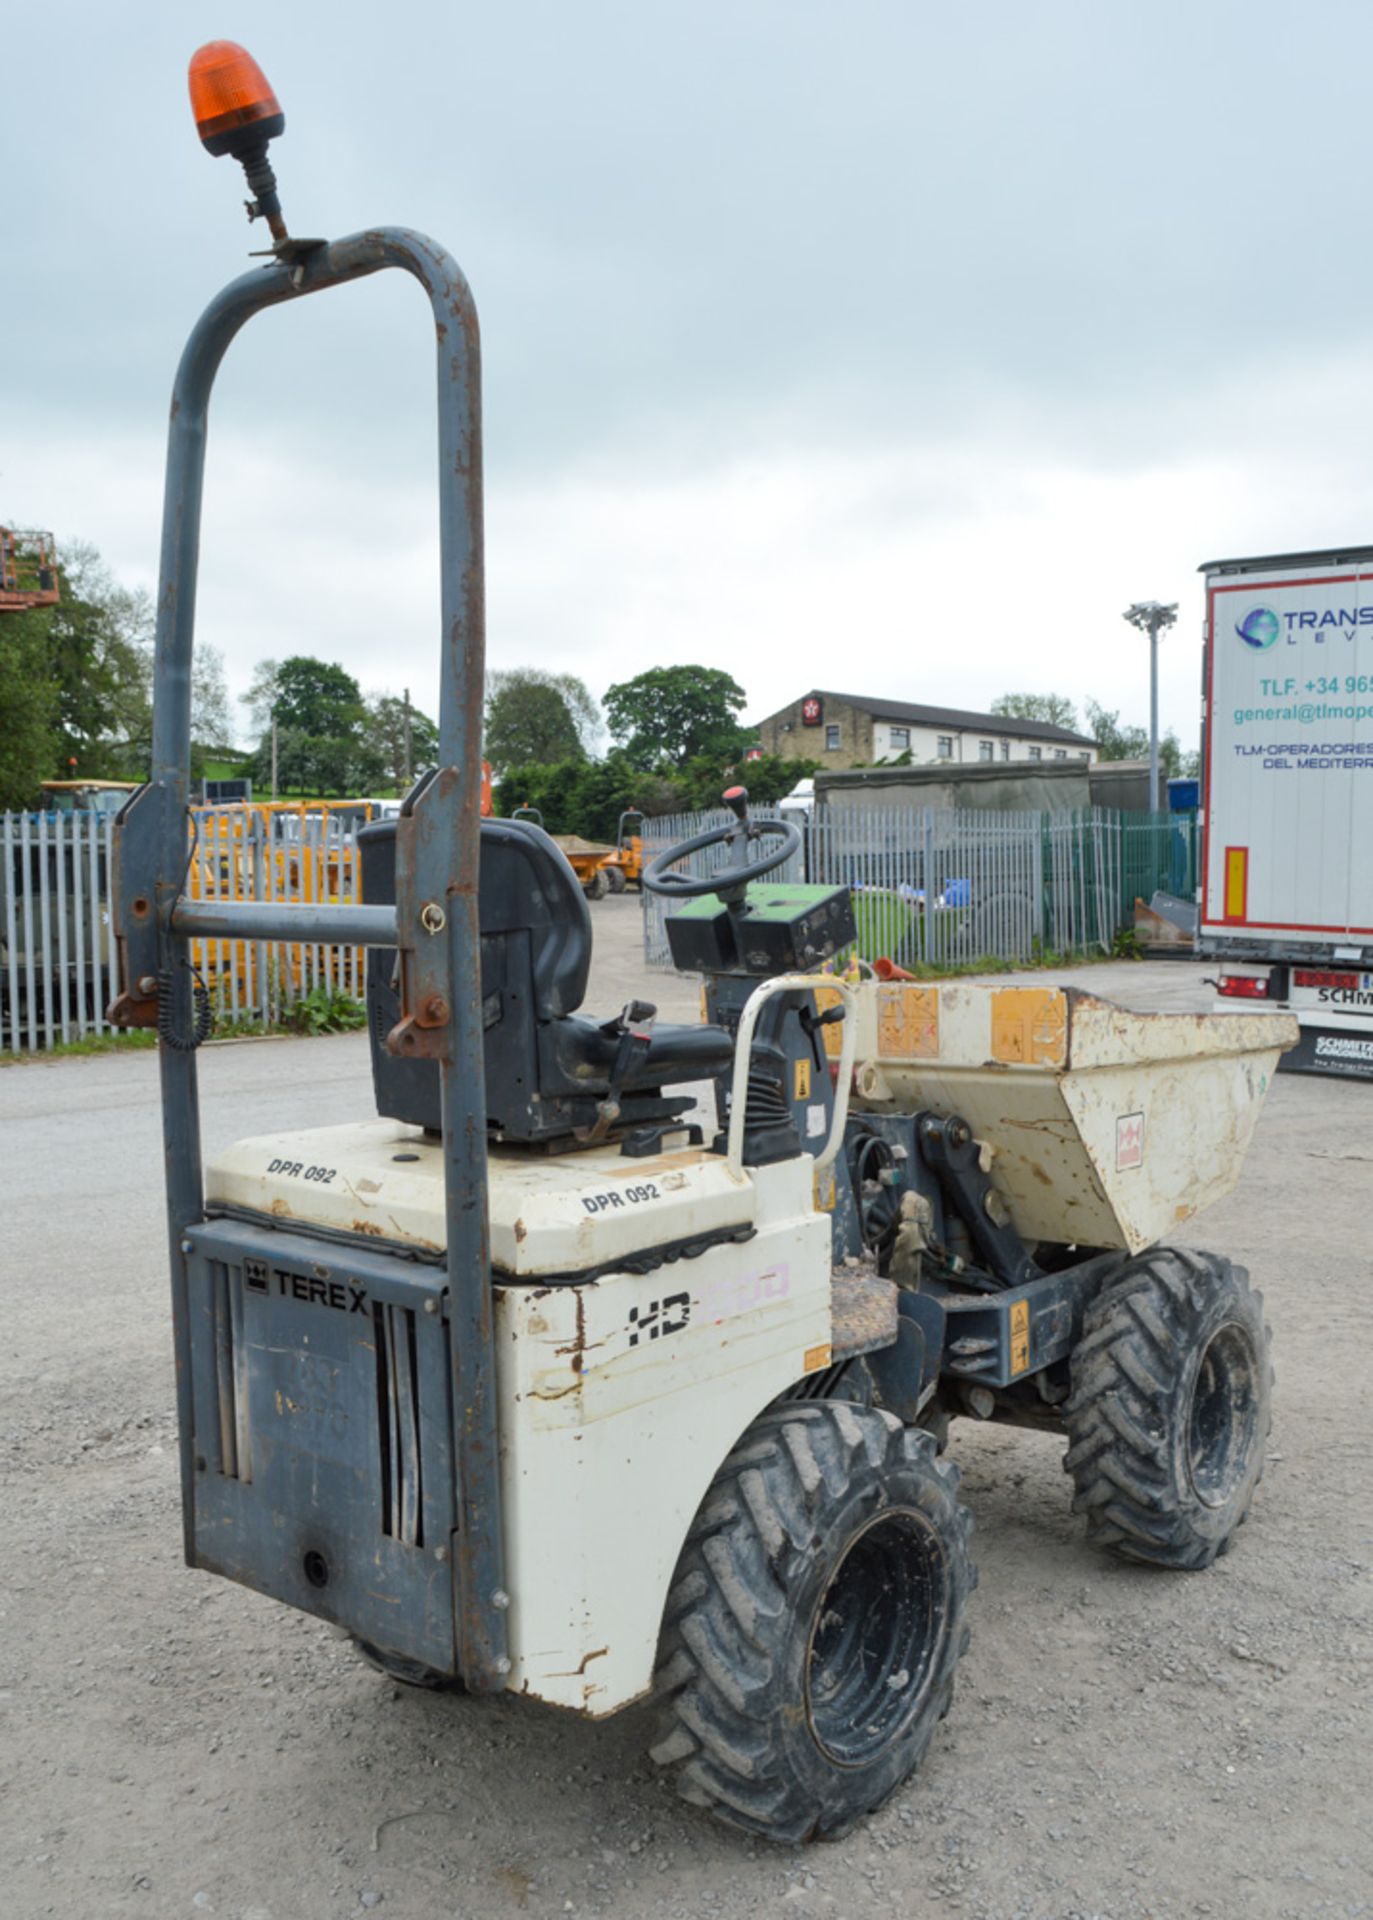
(945, 886)
(57, 953)
(290, 855)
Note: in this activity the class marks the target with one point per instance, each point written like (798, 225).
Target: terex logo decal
(311, 1289)
(1259, 628)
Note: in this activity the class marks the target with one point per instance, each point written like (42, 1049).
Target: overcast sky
(890, 348)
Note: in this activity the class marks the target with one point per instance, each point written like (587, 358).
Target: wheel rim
(875, 1637)
(1223, 1416)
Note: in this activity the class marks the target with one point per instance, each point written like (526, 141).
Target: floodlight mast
(1151, 617)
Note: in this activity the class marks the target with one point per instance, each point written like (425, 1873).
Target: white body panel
(618, 1398)
(1289, 777)
(610, 1436)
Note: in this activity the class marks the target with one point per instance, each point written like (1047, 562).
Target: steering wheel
(731, 879)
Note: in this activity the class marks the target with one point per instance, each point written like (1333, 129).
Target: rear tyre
(615, 878)
(595, 886)
(814, 1623)
(410, 1673)
(1171, 1404)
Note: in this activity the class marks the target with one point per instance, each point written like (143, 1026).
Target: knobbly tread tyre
(409, 1673)
(615, 878)
(595, 886)
(1130, 1416)
(737, 1686)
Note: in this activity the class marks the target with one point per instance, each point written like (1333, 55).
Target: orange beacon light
(237, 113)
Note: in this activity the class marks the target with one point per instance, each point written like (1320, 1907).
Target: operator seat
(547, 1066)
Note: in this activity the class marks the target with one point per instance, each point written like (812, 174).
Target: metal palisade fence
(57, 950)
(943, 887)
(930, 886)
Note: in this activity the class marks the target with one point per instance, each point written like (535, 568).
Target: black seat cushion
(675, 1053)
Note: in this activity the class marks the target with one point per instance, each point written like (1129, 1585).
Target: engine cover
(572, 1217)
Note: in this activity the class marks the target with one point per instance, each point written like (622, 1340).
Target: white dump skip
(1104, 1127)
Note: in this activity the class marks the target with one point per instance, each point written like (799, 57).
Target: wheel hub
(876, 1636)
(1221, 1420)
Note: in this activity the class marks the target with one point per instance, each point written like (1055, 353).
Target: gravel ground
(1122, 1745)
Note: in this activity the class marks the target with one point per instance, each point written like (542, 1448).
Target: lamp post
(1151, 617)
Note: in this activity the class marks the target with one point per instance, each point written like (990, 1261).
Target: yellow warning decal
(1029, 1026)
(1020, 1336)
(801, 1088)
(816, 1357)
(825, 998)
(907, 1022)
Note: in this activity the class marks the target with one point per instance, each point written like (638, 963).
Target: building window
(831, 739)
(1005, 749)
(984, 750)
(1036, 753)
(1060, 753)
(944, 746)
(899, 736)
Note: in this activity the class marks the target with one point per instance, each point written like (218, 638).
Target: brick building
(848, 730)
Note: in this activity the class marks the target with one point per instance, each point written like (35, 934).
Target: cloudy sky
(891, 348)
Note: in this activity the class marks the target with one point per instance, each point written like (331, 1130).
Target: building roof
(912, 713)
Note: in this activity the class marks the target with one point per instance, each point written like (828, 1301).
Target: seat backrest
(535, 958)
(526, 887)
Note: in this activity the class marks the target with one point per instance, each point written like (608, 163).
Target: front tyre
(814, 1622)
(1171, 1404)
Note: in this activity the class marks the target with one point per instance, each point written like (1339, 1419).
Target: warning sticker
(907, 1022)
(1020, 1336)
(801, 1089)
(1129, 1141)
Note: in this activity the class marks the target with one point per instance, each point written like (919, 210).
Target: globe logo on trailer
(1259, 629)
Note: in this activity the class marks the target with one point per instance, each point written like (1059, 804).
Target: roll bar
(434, 923)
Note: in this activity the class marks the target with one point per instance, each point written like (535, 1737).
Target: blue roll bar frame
(434, 923)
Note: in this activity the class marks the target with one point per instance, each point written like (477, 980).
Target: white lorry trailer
(1287, 901)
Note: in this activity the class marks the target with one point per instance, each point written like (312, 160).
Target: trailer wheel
(595, 886)
(814, 1622)
(615, 877)
(410, 1673)
(1171, 1403)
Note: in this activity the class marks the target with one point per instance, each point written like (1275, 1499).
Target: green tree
(260, 699)
(1054, 709)
(317, 698)
(1118, 742)
(99, 638)
(677, 713)
(768, 779)
(80, 674)
(28, 709)
(532, 718)
(211, 727)
(588, 796)
(384, 729)
(322, 747)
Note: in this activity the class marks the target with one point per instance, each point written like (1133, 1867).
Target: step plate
(863, 1309)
